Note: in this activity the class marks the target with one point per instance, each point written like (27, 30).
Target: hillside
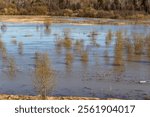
(78, 8)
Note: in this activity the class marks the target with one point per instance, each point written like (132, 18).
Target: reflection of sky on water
(30, 36)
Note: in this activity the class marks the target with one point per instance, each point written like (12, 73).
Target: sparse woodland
(77, 8)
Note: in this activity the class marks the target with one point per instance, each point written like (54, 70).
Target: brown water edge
(23, 97)
(72, 20)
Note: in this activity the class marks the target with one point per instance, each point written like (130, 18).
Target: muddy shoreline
(25, 97)
(73, 20)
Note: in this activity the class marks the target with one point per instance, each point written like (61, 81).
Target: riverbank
(21, 97)
(72, 20)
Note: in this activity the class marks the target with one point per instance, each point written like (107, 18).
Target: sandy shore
(23, 97)
(81, 21)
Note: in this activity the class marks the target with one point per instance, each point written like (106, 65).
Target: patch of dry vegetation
(129, 49)
(78, 45)
(84, 56)
(44, 73)
(69, 58)
(118, 53)
(138, 44)
(11, 66)
(20, 47)
(3, 49)
(108, 39)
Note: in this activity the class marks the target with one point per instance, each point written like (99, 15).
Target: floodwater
(96, 78)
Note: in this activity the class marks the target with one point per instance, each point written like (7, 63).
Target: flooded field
(104, 61)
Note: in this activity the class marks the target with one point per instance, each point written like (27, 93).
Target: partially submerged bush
(3, 49)
(67, 43)
(129, 50)
(20, 48)
(79, 44)
(138, 45)
(11, 66)
(84, 56)
(69, 58)
(44, 74)
(109, 37)
(118, 51)
(47, 24)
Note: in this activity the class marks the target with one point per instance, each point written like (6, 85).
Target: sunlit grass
(69, 58)
(84, 56)
(67, 43)
(44, 74)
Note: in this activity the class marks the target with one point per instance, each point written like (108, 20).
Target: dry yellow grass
(84, 56)
(129, 50)
(69, 58)
(11, 66)
(47, 24)
(108, 39)
(118, 52)
(44, 74)
(3, 49)
(79, 44)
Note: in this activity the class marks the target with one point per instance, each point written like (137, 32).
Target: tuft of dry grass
(44, 73)
(148, 46)
(79, 44)
(67, 42)
(129, 50)
(20, 47)
(93, 37)
(11, 66)
(47, 24)
(3, 49)
(138, 44)
(1, 44)
(108, 39)
(69, 58)
(119, 40)
(118, 52)
(84, 56)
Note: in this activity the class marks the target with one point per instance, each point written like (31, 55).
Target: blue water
(83, 80)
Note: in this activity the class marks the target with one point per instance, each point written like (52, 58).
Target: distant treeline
(83, 8)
